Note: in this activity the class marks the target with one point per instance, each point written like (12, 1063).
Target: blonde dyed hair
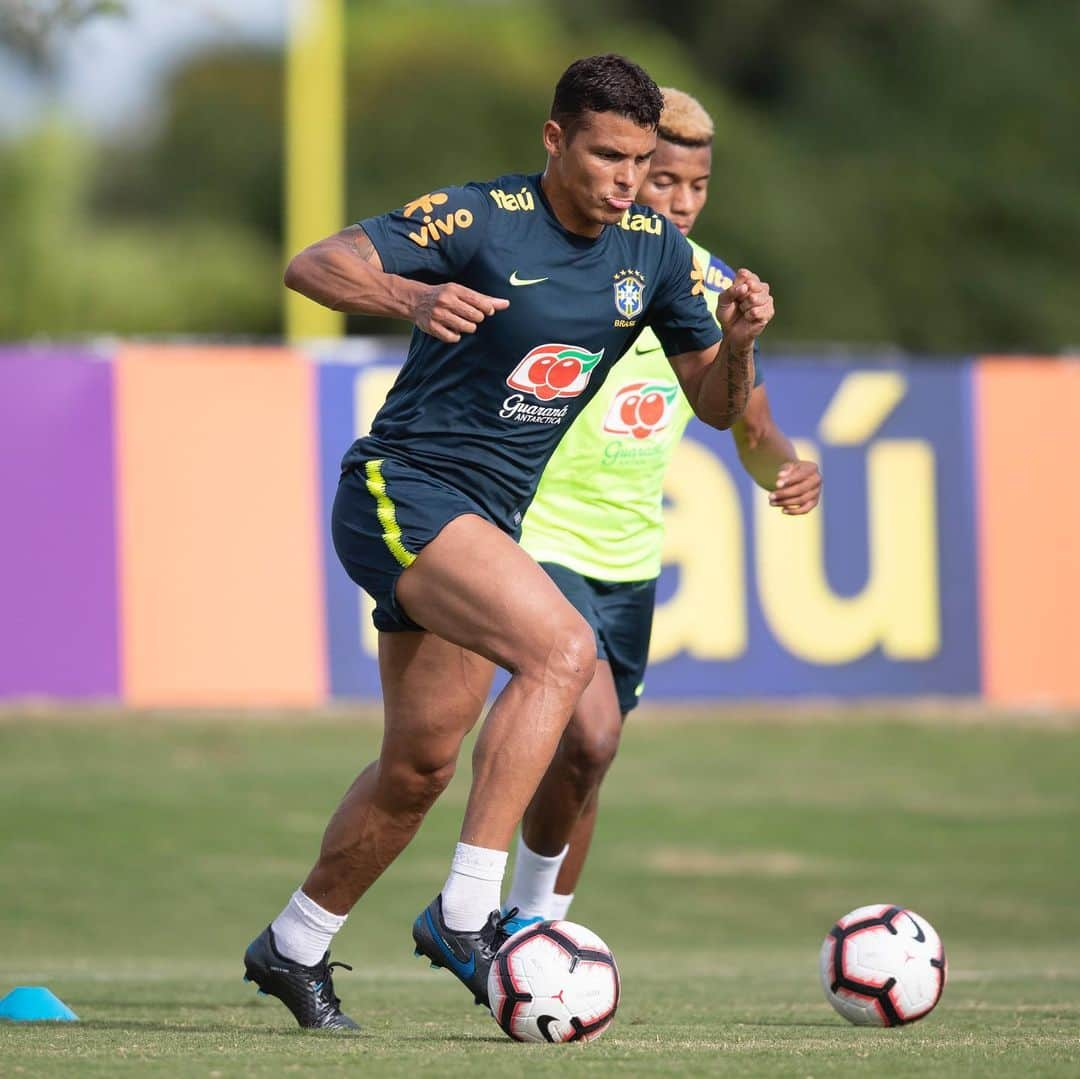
(684, 120)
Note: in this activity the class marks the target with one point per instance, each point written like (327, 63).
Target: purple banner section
(58, 559)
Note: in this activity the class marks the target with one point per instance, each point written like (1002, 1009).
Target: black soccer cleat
(308, 992)
(467, 955)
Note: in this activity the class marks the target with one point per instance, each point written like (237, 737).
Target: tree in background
(921, 157)
(29, 27)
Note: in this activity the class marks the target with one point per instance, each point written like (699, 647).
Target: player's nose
(626, 178)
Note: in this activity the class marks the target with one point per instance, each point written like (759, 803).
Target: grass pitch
(138, 857)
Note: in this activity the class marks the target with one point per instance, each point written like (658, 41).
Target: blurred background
(904, 175)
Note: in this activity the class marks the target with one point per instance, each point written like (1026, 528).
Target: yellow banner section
(314, 148)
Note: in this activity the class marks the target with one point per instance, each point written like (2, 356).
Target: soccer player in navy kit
(524, 291)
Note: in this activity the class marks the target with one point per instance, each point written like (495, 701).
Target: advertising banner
(166, 537)
(58, 557)
(873, 593)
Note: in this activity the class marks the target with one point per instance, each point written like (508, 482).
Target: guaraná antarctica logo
(550, 371)
(641, 409)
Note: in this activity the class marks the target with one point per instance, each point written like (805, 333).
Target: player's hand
(798, 488)
(744, 308)
(448, 311)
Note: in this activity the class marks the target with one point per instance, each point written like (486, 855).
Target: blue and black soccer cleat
(308, 992)
(468, 955)
(513, 922)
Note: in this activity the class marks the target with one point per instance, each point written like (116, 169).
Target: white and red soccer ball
(554, 982)
(883, 966)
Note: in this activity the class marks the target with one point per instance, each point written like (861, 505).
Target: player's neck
(562, 206)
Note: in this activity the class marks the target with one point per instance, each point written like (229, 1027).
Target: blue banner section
(351, 387)
(874, 593)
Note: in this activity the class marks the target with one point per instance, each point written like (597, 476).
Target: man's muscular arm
(344, 272)
(718, 381)
(769, 457)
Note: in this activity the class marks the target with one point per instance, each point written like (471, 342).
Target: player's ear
(554, 138)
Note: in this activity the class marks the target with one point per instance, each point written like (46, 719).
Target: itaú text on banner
(874, 593)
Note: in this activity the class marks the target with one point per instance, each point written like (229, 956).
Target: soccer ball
(554, 982)
(883, 966)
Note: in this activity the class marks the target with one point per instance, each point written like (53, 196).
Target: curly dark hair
(608, 83)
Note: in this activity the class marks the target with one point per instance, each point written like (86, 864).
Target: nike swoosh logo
(544, 1023)
(920, 936)
(515, 280)
(463, 970)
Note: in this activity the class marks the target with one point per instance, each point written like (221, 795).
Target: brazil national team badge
(629, 293)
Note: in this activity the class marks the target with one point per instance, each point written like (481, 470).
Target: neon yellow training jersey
(599, 507)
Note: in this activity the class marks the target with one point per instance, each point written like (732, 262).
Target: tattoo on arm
(740, 379)
(359, 241)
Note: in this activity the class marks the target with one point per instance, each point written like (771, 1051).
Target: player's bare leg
(385, 805)
(585, 753)
(475, 586)
(558, 823)
(579, 844)
(375, 820)
(472, 584)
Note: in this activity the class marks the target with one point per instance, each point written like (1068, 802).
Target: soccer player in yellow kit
(596, 527)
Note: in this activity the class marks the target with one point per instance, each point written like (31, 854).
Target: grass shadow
(200, 1030)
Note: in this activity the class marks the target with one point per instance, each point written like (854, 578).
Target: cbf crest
(629, 288)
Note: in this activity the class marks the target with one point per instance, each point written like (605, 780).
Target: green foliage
(30, 26)
(898, 172)
(67, 272)
(913, 168)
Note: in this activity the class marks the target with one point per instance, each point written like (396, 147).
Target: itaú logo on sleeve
(550, 371)
(641, 409)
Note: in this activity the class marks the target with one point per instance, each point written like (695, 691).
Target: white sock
(533, 886)
(474, 887)
(303, 930)
(559, 906)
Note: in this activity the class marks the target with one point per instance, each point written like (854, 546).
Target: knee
(412, 785)
(587, 750)
(571, 659)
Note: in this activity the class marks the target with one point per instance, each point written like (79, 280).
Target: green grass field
(138, 856)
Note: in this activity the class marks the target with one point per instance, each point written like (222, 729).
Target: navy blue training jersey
(484, 414)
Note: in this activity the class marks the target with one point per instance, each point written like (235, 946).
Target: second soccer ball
(883, 966)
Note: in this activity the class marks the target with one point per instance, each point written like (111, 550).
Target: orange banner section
(221, 564)
(1028, 439)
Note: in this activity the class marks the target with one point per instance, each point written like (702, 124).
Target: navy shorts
(385, 513)
(621, 614)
